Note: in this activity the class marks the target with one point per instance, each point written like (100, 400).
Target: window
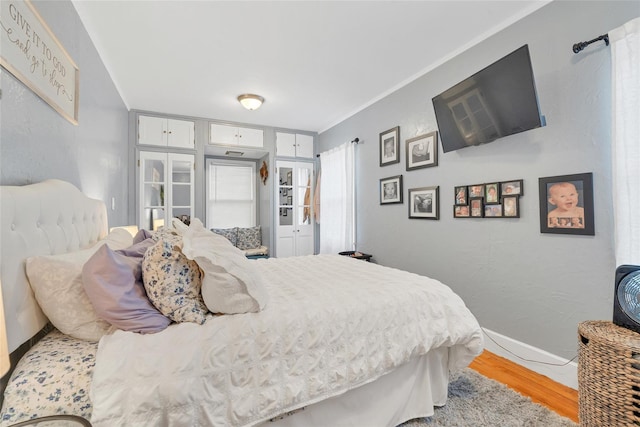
(231, 193)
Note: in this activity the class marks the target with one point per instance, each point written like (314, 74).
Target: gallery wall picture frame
(424, 203)
(566, 204)
(461, 211)
(461, 195)
(391, 190)
(511, 206)
(493, 211)
(422, 151)
(492, 193)
(476, 207)
(476, 190)
(390, 146)
(512, 188)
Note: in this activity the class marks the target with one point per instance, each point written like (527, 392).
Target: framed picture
(461, 211)
(390, 146)
(461, 195)
(512, 188)
(491, 193)
(476, 190)
(566, 204)
(424, 203)
(511, 206)
(493, 211)
(422, 151)
(391, 190)
(476, 206)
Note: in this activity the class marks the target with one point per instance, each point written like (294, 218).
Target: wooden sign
(31, 52)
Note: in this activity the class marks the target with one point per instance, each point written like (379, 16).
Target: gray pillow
(230, 233)
(249, 238)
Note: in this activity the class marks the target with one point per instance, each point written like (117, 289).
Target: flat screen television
(497, 101)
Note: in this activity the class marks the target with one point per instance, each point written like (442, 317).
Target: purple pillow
(141, 235)
(113, 283)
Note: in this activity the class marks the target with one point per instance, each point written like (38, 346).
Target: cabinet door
(304, 146)
(153, 190)
(152, 130)
(180, 174)
(223, 134)
(285, 144)
(251, 137)
(181, 133)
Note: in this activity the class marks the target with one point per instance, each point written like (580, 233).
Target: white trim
(567, 374)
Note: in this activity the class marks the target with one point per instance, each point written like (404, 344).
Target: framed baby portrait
(566, 204)
(422, 151)
(391, 190)
(390, 146)
(424, 203)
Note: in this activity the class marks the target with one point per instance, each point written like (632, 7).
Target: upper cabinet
(294, 145)
(234, 135)
(165, 132)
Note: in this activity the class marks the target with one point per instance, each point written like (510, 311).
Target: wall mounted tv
(497, 101)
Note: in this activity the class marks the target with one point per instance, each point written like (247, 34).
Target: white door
(304, 229)
(152, 190)
(180, 173)
(251, 137)
(222, 134)
(285, 144)
(294, 228)
(152, 130)
(181, 133)
(304, 146)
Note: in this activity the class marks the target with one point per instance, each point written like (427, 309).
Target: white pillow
(56, 281)
(230, 283)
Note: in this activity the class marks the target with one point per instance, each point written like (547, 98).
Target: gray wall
(532, 287)
(37, 143)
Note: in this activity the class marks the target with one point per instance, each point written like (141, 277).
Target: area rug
(477, 401)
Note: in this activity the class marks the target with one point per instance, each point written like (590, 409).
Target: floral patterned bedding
(52, 378)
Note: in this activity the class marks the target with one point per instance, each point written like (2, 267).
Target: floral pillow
(230, 233)
(249, 238)
(173, 282)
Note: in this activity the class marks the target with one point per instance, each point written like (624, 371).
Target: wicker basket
(608, 375)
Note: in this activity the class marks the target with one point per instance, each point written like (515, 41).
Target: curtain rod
(356, 140)
(581, 45)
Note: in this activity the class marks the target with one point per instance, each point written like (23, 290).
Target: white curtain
(337, 200)
(625, 52)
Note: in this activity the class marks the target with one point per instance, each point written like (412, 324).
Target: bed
(321, 340)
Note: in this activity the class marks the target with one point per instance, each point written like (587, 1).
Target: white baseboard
(567, 374)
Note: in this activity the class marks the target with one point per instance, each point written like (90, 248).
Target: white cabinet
(165, 188)
(294, 145)
(165, 132)
(233, 135)
(294, 227)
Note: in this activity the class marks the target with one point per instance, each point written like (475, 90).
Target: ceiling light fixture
(251, 101)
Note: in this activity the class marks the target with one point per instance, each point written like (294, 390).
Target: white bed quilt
(332, 324)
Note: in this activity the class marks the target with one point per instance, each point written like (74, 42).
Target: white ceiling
(315, 62)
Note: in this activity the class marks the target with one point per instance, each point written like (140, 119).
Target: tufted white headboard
(50, 217)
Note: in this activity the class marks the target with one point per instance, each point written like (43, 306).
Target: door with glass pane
(165, 188)
(295, 230)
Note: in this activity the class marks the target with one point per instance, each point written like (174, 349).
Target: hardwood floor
(541, 389)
